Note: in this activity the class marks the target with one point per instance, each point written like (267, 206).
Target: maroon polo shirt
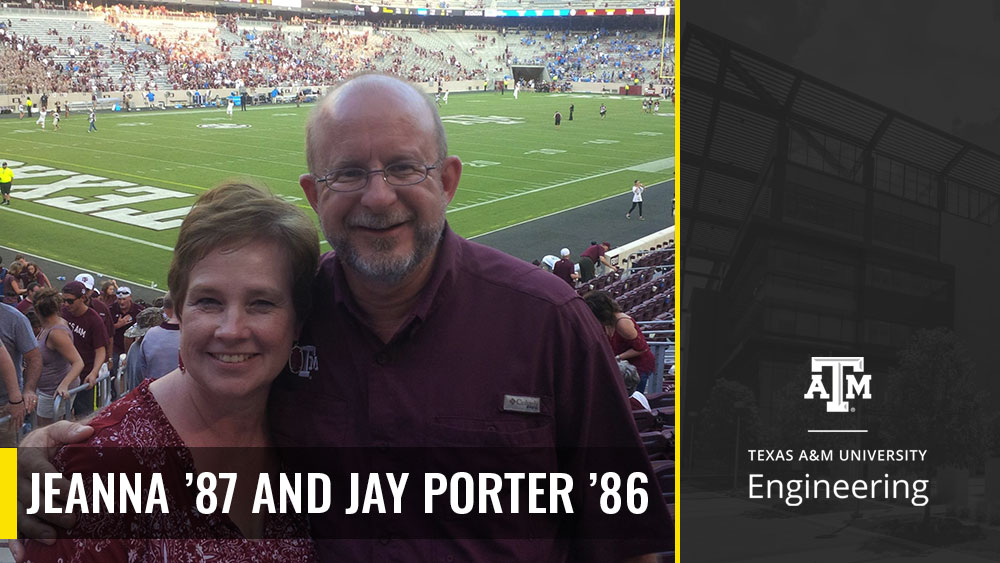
(472, 340)
(594, 253)
(88, 335)
(564, 268)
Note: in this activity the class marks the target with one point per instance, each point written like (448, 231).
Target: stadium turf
(110, 201)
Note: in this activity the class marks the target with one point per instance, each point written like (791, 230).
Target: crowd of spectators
(133, 52)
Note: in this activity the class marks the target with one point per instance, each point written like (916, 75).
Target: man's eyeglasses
(69, 301)
(396, 174)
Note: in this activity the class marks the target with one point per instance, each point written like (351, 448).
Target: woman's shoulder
(133, 421)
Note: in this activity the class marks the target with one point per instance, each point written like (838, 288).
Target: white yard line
(90, 229)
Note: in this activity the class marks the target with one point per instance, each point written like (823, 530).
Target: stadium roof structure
(735, 103)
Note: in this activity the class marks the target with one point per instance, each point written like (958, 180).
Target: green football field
(111, 201)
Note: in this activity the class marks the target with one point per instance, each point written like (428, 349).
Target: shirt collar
(434, 292)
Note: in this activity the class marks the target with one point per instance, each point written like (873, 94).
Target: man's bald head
(383, 88)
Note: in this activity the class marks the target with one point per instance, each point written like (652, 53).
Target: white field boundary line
(544, 188)
(82, 269)
(323, 242)
(90, 229)
(671, 179)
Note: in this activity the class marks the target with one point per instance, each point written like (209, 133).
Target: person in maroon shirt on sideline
(589, 259)
(565, 268)
(90, 339)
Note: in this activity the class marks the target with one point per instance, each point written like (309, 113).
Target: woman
(623, 333)
(12, 288)
(241, 278)
(32, 273)
(108, 290)
(637, 189)
(61, 363)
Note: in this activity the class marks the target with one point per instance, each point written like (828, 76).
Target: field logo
(844, 385)
(224, 126)
(482, 119)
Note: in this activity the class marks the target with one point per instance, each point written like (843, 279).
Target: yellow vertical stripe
(8, 492)
(678, 436)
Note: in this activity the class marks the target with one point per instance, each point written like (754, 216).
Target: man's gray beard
(382, 267)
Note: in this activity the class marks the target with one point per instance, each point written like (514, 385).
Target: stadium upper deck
(132, 49)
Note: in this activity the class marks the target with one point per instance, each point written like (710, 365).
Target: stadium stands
(134, 49)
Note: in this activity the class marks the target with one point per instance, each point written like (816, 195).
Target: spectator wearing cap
(102, 309)
(90, 339)
(590, 257)
(124, 312)
(150, 317)
(565, 268)
(159, 348)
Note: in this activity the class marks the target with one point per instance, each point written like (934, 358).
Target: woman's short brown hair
(237, 213)
(47, 302)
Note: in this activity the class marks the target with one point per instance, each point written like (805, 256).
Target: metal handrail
(102, 397)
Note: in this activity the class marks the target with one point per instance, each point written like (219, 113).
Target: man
(565, 268)
(159, 348)
(124, 312)
(19, 341)
(604, 111)
(42, 116)
(571, 108)
(6, 179)
(400, 289)
(28, 303)
(29, 104)
(148, 319)
(14, 402)
(229, 107)
(45, 101)
(590, 257)
(93, 121)
(92, 300)
(89, 338)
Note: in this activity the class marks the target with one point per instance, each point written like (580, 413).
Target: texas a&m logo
(844, 384)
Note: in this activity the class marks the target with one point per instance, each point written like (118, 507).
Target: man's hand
(30, 401)
(91, 379)
(34, 455)
(16, 413)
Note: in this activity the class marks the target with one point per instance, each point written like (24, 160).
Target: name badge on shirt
(518, 403)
